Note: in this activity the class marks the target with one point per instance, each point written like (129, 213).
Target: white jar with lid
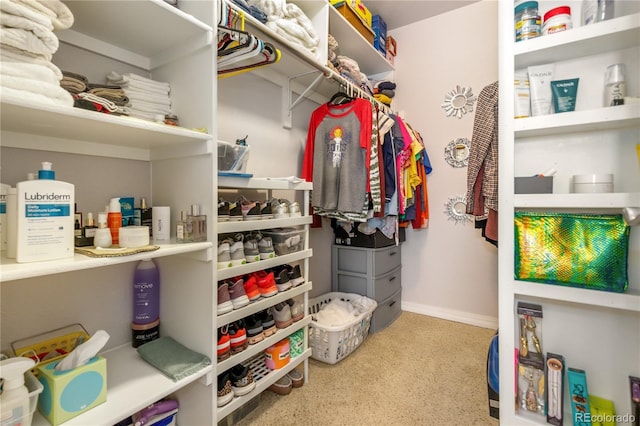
(556, 20)
(592, 184)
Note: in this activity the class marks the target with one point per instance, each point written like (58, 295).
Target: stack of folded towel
(27, 45)
(147, 98)
(93, 96)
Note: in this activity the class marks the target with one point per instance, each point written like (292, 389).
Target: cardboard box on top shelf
(358, 22)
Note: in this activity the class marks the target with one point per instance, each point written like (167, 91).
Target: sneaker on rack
(251, 287)
(251, 251)
(281, 275)
(223, 210)
(224, 343)
(255, 333)
(268, 323)
(242, 380)
(265, 247)
(266, 283)
(235, 212)
(297, 309)
(225, 392)
(224, 299)
(294, 209)
(224, 254)
(253, 212)
(236, 251)
(267, 209)
(280, 209)
(238, 336)
(295, 276)
(237, 294)
(282, 315)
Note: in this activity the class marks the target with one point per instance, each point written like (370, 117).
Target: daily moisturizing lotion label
(45, 220)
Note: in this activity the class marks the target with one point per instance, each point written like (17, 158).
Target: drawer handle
(392, 279)
(392, 253)
(392, 303)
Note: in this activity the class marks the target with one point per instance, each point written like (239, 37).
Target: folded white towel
(135, 95)
(27, 40)
(150, 107)
(58, 12)
(26, 89)
(12, 54)
(16, 9)
(143, 87)
(31, 71)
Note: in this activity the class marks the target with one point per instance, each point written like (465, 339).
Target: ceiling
(398, 13)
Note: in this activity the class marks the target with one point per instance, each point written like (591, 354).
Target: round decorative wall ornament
(456, 153)
(459, 101)
(455, 209)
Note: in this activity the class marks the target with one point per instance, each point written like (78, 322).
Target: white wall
(448, 270)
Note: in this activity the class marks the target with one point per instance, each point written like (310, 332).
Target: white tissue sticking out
(84, 352)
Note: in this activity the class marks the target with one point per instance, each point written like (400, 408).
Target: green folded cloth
(172, 358)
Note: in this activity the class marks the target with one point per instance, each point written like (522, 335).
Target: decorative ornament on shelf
(456, 153)
(456, 209)
(459, 101)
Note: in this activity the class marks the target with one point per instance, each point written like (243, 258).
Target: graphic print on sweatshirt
(338, 140)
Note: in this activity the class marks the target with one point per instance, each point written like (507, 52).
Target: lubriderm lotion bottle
(45, 218)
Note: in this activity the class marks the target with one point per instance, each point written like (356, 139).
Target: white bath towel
(44, 73)
(135, 95)
(12, 54)
(130, 78)
(150, 107)
(16, 9)
(58, 12)
(28, 90)
(337, 313)
(27, 39)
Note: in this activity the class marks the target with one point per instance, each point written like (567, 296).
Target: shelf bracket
(288, 92)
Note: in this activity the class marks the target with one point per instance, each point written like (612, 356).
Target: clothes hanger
(269, 52)
(340, 98)
(231, 40)
(255, 48)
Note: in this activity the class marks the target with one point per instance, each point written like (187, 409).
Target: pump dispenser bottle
(102, 236)
(114, 220)
(14, 400)
(45, 218)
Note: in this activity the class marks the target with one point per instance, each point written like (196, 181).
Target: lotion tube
(540, 87)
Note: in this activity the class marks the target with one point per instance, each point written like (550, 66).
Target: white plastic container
(556, 20)
(45, 218)
(134, 236)
(15, 407)
(592, 184)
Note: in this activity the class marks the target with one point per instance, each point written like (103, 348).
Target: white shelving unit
(253, 351)
(175, 46)
(589, 328)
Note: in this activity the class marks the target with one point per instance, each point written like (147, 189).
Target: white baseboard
(451, 315)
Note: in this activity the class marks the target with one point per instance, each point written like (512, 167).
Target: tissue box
(69, 393)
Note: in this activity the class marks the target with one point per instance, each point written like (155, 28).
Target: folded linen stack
(27, 45)
(147, 98)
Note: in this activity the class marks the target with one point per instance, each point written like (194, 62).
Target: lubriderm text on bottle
(45, 218)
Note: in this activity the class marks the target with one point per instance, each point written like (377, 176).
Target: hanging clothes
(482, 171)
(337, 159)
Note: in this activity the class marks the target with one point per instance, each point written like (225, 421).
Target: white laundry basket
(331, 344)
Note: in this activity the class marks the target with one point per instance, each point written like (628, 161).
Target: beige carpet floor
(420, 370)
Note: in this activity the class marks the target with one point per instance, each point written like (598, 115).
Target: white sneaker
(224, 255)
(294, 209)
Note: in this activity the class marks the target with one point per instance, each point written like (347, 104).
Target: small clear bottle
(184, 228)
(615, 86)
(527, 20)
(102, 236)
(199, 222)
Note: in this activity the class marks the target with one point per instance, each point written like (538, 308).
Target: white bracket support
(287, 95)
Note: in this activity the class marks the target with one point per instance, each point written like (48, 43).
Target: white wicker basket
(331, 344)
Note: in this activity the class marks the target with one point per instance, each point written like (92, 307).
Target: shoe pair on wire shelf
(241, 248)
(237, 381)
(244, 209)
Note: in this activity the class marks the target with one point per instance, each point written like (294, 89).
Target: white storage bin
(232, 158)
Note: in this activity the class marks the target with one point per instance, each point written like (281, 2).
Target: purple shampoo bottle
(146, 293)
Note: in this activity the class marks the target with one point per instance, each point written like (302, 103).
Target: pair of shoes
(284, 209)
(297, 309)
(282, 278)
(255, 332)
(295, 276)
(235, 212)
(265, 247)
(231, 252)
(282, 386)
(251, 249)
(237, 381)
(266, 283)
(251, 287)
(237, 294)
(282, 315)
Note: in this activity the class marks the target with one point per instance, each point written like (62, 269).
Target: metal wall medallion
(456, 208)
(456, 153)
(459, 101)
